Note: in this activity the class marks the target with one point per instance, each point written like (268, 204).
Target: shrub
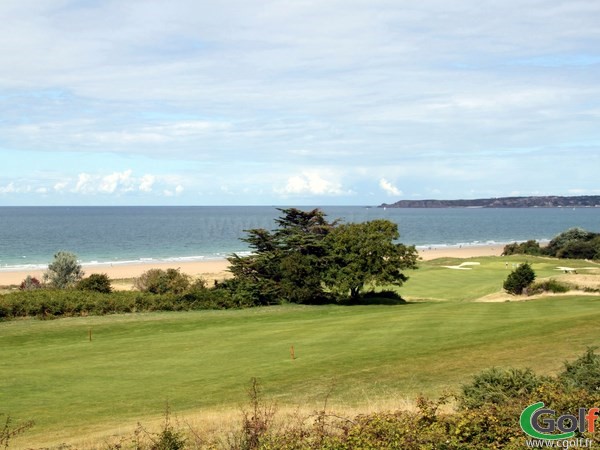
(51, 303)
(64, 271)
(98, 282)
(519, 279)
(530, 247)
(498, 387)
(550, 285)
(578, 250)
(583, 373)
(30, 283)
(158, 281)
(574, 243)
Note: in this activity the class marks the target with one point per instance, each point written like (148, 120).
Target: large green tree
(366, 254)
(285, 264)
(307, 258)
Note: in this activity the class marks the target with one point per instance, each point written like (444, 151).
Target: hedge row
(47, 303)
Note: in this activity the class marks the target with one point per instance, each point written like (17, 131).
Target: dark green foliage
(64, 271)
(49, 304)
(583, 373)
(575, 243)
(519, 279)
(387, 297)
(580, 250)
(498, 387)
(286, 264)
(98, 282)
(306, 254)
(158, 281)
(363, 254)
(530, 247)
(30, 283)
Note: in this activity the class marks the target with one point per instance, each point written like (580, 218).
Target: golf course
(84, 379)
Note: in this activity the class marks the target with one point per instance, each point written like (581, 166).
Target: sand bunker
(463, 266)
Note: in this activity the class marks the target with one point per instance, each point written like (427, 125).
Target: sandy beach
(217, 269)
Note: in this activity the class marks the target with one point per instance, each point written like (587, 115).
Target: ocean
(30, 236)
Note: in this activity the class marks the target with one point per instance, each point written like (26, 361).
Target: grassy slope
(433, 281)
(50, 372)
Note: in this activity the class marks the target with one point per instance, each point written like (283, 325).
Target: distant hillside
(584, 201)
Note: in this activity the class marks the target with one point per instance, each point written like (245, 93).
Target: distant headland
(583, 201)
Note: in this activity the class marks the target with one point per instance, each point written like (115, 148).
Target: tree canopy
(308, 259)
(362, 254)
(519, 279)
(574, 243)
(64, 271)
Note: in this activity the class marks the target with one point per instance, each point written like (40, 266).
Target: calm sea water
(30, 236)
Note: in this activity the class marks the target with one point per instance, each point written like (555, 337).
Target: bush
(158, 281)
(498, 387)
(550, 285)
(530, 247)
(98, 282)
(52, 303)
(30, 283)
(583, 373)
(519, 279)
(575, 243)
(64, 271)
(578, 250)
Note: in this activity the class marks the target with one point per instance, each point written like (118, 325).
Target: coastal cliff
(584, 201)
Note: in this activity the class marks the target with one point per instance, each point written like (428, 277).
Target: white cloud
(119, 183)
(83, 185)
(312, 183)
(389, 188)
(173, 192)
(60, 186)
(146, 183)
(12, 188)
(116, 181)
(8, 189)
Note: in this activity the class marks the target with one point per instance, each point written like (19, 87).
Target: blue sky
(191, 102)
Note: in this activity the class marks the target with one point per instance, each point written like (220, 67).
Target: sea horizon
(119, 235)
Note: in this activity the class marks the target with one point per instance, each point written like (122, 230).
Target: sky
(298, 102)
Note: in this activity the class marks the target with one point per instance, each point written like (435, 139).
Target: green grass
(50, 372)
(433, 281)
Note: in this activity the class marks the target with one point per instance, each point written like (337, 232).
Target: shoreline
(216, 269)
